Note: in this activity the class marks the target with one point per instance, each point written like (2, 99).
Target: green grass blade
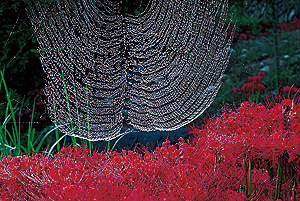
(41, 142)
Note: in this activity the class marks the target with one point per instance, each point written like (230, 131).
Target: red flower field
(251, 153)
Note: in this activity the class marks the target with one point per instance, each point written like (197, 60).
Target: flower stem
(279, 177)
(275, 42)
(246, 178)
(250, 186)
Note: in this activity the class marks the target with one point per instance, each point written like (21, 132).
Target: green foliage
(246, 60)
(133, 6)
(244, 22)
(18, 55)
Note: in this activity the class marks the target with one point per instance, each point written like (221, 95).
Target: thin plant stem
(250, 185)
(216, 158)
(29, 144)
(15, 137)
(120, 138)
(246, 177)
(275, 42)
(56, 131)
(279, 177)
(68, 105)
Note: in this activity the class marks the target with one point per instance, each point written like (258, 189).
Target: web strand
(159, 70)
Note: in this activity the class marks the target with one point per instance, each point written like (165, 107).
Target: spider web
(157, 71)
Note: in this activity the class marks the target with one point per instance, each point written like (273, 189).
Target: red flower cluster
(288, 89)
(170, 173)
(253, 85)
(268, 138)
(292, 25)
(234, 157)
(245, 34)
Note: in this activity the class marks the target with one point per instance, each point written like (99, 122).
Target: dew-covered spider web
(155, 71)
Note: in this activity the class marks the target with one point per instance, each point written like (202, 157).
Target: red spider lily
(139, 195)
(233, 196)
(288, 89)
(264, 34)
(295, 23)
(249, 88)
(255, 78)
(210, 168)
(261, 74)
(259, 133)
(168, 174)
(253, 85)
(243, 36)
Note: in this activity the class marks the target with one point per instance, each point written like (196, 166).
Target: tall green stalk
(56, 131)
(250, 183)
(275, 42)
(279, 177)
(68, 105)
(246, 177)
(216, 160)
(15, 134)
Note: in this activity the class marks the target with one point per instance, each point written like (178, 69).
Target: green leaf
(33, 50)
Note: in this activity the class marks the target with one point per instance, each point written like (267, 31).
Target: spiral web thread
(157, 71)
